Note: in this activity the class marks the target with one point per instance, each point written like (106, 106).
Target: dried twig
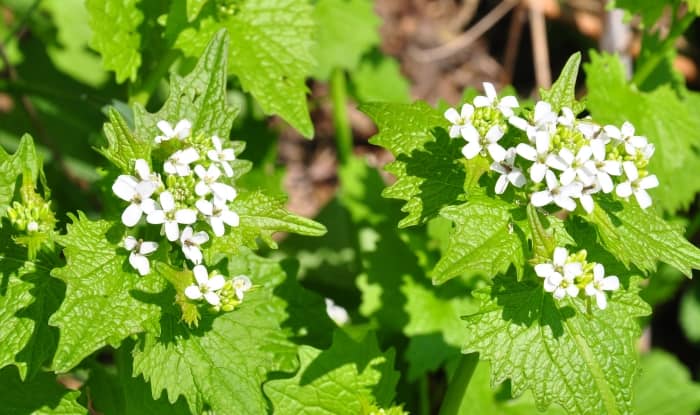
(540, 48)
(511, 51)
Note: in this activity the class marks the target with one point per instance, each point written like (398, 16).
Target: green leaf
(223, 362)
(690, 313)
(114, 25)
(428, 167)
(483, 240)
(260, 217)
(199, 97)
(124, 147)
(270, 52)
(378, 78)
(583, 361)
(670, 123)
(43, 395)
(665, 387)
(336, 46)
(106, 300)
(639, 237)
(337, 381)
(193, 8)
(649, 10)
(11, 166)
(28, 296)
(563, 91)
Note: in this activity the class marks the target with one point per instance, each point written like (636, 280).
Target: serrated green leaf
(639, 237)
(114, 25)
(563, 91)
(664, 387)
(106, 300)
(43, 395)
(270, 52)
(28, 296)
(670, 123)
(11, 166)
(428, 167)
(337, 381)
(124, 147)
(224, 361)
(333, 18)
(199, 97)
(584, 362)
(482, 240)
(378, 78)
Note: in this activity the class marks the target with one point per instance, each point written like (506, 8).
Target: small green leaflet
(42, 395)
(428, 168)
(649, 10)
(483, 240)
(106, 300)
(563, 91)
(665, 387)
(114, 25)
(224, 361)
(270, 52)
(639, 237)
(123, 146)
(583, 361)
(11, 166)
(337, 381)
(345, 30)
(670, 123)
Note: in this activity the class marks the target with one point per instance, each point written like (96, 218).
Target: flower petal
(172, 230)
(471, 149)
(156, 217)
(526, 151)
(216, 282)
(624, 189)
(204, 206)
(131, 215)
(130, 243)
(142, 169)
(140, 263)
(212, 298)
(452, 116)
(167, 202)
(648, 182)
(125, 187)
(186, 216)
(201, 275)
(193, 292)
(541, 198)
(148, 247)
(501, 185)
(610, 283)
(643, 198)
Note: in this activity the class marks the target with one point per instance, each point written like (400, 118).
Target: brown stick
(511, 53)
(540, 49)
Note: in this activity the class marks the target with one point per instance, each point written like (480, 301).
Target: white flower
(144, 172)
(626, 135)
(509, 173)
(567, 118)
(190, 244)
(505, 104)
(179, 162)
(139, 249)
(476, 144)
(138, 193)
(222, 156)
(181, 130)
(218, 214)
(169, 217)
(602, 168)
(459, 120)
(572, 166)
(560, 194)
(208, 183)
(559, 275)
(636, 185)
(206, 286)
(338, 314)
(588, 128)
(600, 284)
(241, 284)
(537, 154)
(543, 120)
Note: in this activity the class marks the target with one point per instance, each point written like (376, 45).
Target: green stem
(424, 396)
(343, 132)
(677, 28)
(542, 242)
(142, 91)
(455, 398)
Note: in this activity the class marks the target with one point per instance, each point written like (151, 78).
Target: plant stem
(424, 396)
(143, 91)
(343, 132)
(457, 389)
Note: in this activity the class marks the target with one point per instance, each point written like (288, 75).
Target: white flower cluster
(567, 158)
(568, 275)
(189, 205)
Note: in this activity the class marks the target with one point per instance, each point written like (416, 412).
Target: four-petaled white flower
(602, 168)
(460, 119)
(181, 130)
(139, 249)
(559, 275)
(562, 195)
(636, 185)
(240, 285)
(505, 104)
(572, 166)
(170, 217)
(509, 173)
(191, 242)
(537, 154)
(626, 135)
(218, 213)
(221, 156)
(139, 196)
(544, 120)
(477, 144)
(207, 286)
(600, 284)
(179, 162)
(208, 183)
